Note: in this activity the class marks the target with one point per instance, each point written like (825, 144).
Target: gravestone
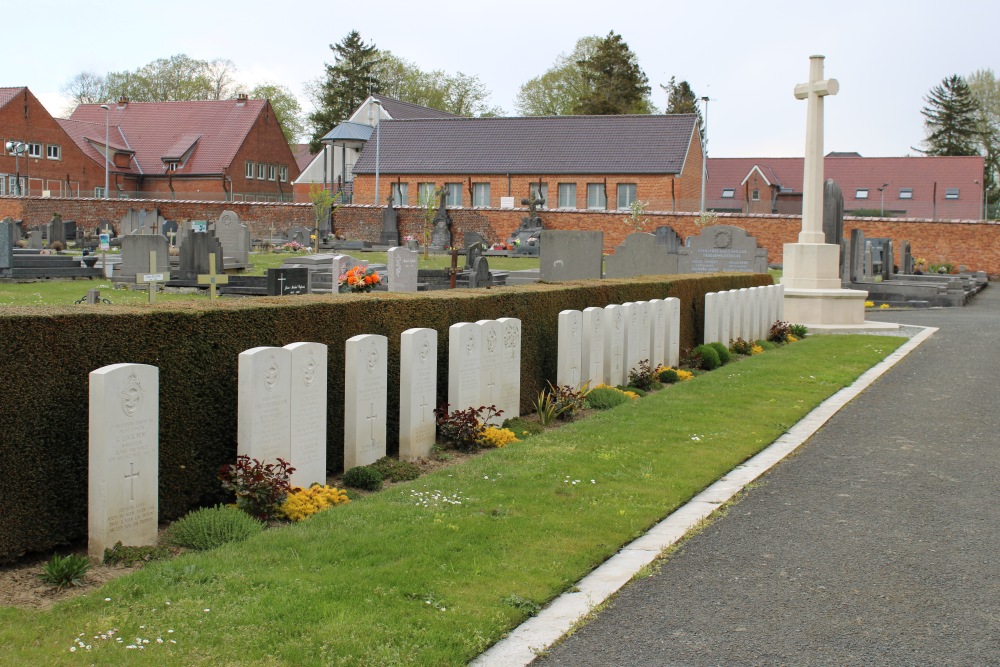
(906, 258)
(235, 239)
(645, 330)
(472, 253)
(527, 237)
(299, 234)
(857, 265)
(402, 269)
(365, 399)
(57, 230)
(390, 225)
(666, 236)
(441, 233)
(285, 282)
(632, 337)
(35, 239)
(7, 243)
(194, 255)
(723, 249)
(141, 221)
(640, 255)
(833, 212)
(614, 345)
(725, 317)
(571, 256)
(888, 260)
(480, 274)
(123, 458)
(592, 345)
(171, 230)
(470, 239)
(673, 345)
(307, 398)
(18, 230)
(464, 376)
(264, 404)
(869, 261)
(510, 368)
(657, 332)
(569, 349)
(135, 255)
(710, 332)
(746, 315)
(417, 392)
(491, 366)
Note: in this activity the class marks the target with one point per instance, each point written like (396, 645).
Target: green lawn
(434, 571)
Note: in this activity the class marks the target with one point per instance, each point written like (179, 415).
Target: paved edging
(540, 632)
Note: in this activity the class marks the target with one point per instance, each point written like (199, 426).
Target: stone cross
(151, 279)
(812, 181)
(213, 278)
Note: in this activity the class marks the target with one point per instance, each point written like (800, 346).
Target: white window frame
(952, 193)
(906, 193)
(481, 194)
(283, 173)
(454, 194)
(33, 149)
(173, 166)
(861, 193)
(425, 193)
(542, 192)
(596, 199)
(13, 179)
(261, 171)
(755, 195)
(626, 194)
(400, 194)
(251, 169)
(728, 193)
(53, 152)
(272, 172)
(566, 195)
(99, 192)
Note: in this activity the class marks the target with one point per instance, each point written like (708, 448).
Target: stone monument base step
(825, 307)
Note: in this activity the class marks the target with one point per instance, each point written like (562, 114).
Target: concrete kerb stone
(537, 634)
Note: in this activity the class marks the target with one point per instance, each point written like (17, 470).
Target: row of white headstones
(282, 413)
(746, 313)
(602, 345)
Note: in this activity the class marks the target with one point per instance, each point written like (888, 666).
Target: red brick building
(576, 162)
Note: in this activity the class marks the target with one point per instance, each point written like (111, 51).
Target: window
(173, 166)
(99, 193)
(283, 174)
(595, 196)
(567, 195)
(454, 194)
(34, 150)
(425, 193)
(951, 193)
(272, 172)
(861, 193)
(480, 194)
(540, 191)
(728, 193)
(906, 193)
(53, 152)
(400, 194)
(755, 195)
(250, 169)
(626, 195)
(261, 171)
(16, 186)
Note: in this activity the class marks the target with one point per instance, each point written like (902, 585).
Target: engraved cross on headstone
(371, 420)
(812, 181)
(281, 286)
(423, 409)
(213, 278)
(490, 386)
(131, 478)
(151, 279)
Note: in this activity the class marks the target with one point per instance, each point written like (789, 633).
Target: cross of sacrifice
(213, 278)
(812, 181)
(131, 478)
(151, 279)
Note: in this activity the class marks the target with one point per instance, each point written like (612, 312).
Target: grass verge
(433, 571)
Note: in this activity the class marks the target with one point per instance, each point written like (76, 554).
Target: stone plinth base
(812, 266)
(819, 307)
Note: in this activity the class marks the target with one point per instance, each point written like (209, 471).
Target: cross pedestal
(811, 267)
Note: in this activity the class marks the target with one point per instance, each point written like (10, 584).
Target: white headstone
(746, 313)
(673, 331)
(402, 269)
(645, 331)
(569, 352)
(264, 405)
(725, 316)
(657, 332)
(464, 350)
(510, 370)
(308, 413)
(123, 461)
(614, 345)
(491, 366)
(592, 357)
(632, 336)
(365, 397)
(417, 392)
(711, 332)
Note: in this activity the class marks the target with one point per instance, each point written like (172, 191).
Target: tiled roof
(636, 144)
(153, 129)
(7, 94)
(920, 174)
(400, 110)
(83, 133)
(302, 155)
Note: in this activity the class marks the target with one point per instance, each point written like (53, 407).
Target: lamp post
(881, 192)
(378, 140)
(704, 156)
(17, 148)
(107, 149)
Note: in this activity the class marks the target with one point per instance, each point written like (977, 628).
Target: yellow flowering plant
(869, 304)
(497, 437)
(303, 503)
(756, 349)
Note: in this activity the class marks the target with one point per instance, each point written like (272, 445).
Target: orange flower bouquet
(358, 279)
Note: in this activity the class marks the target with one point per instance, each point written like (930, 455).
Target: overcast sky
(886, 54)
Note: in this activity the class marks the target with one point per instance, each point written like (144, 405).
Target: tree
(286, 108)
(985, 90)
(348, 83)
(681, 99)
(178, 77)
(615, 82)
(460, 94)
(950, 119)
(558, 91)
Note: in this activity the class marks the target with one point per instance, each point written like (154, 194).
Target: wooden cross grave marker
(212, 278)
(151, 279)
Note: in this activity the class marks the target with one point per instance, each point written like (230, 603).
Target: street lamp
(378, 140)
(881, 192)
(107, 149)
(17, 148)
(704, 156)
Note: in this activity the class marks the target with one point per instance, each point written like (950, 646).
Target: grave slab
(417, 392)
(308, 413)
(510, 369)
(365, 399)
(264, 404)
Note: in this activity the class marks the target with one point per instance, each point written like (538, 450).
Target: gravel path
(876, 544)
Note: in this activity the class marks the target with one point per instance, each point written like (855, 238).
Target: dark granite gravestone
(390, 225)
(640, 255)
(905, 258)
(441, 234)
(195, 249)
(857, 260)
(569, 255)
(18, 230)
(470, 239)
(666, 236)
(833, 212)
(723, 249)
(472, 253)
(888, 261)
(282, 282)
(57, 230)
(7, 248)
(480, 274)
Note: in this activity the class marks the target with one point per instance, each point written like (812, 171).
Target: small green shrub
(363, 477)
(210, 527)
(395, 470)
(604, 398)
(706, 357)
(798, 330)
(635, 390)
(724, 356)
(740, 346)
(129, 556)
(668, 376)
(63, 571)
(523, 428)
(642, 376)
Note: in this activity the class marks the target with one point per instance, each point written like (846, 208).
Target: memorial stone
(308, 413)
(510, 369)
(464, 376)
(725, 317)
(673, 344)
(491, 366)
(833, 212)
(480, 274)
(171, 230)
(472, 253)
(441, 233)
(235, 239)
(906, 258)
(365, 399)
(7, 248)
(632, 337)
(284, 282)
(469, 239)
(569, 349)
(417, 392)
(571, 255)
(710, 334)
(195, 249)
(35, 239)
(123, 459)
(723, 249)
(390, 225)
(614, 345)
(592, 345)
(645, 330)
(402, 269)
(666, 236)
(641, 255)
(264, 404)
(657, 332)
(57, 230)
(135, 255)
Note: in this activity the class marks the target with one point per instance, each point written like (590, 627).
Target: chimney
(122, 102)
(242, 98)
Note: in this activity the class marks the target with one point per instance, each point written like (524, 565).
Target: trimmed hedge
(49, 353)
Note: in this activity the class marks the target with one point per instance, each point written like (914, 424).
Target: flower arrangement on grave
(358, 279)
(408, 238)
(303, 503)
(292, 246)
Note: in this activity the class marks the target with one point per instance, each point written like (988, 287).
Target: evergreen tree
(985, 89)
(615, 84)
(348, 83)
(950, 119)
(681, 99)
(558, 91)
